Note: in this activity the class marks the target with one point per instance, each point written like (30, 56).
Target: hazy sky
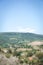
(21, 16)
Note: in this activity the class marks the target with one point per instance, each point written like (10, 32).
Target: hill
(11, 38)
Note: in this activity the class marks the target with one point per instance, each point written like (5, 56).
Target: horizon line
(19, 32)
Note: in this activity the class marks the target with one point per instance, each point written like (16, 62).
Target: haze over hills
(18, 38)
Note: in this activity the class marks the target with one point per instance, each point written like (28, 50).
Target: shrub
(29, 53)
(40, 57)
(10, 51)
(7, 55)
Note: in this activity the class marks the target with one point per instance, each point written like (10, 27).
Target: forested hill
(18, 38)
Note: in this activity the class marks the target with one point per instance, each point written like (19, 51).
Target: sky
(21, 16)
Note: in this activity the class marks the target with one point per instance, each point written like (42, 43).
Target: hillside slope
(18, 38)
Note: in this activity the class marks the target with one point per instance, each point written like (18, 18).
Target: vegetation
(21, 39)
(17, 49)
(7, 55)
